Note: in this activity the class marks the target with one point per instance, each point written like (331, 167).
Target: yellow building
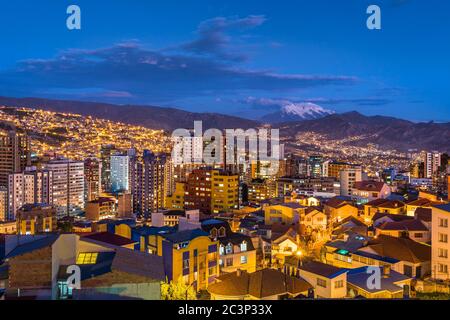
(36, 218)
(191, 255)
(101, 208)
(259, 190)
(224, 191)
(337, 209)
(236, 250)
(286, 213)
(384, 206)
(8, 227)
(176, 200)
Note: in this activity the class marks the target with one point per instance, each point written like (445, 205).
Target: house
(382, 217)
(236, 250)
(383, 206)
(391, 285)
(284, 245)
(191, 255)
(413, 258)
(266, 284)
(39, 268)
(414, 229)
(413, 205)
(349, 224)
(339, 252)
(329, 282)
(339, 208)
(366, 191)
(314, 219)
(287, 213)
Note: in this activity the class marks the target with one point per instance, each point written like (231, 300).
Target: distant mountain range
(387, 132)
(146, 116)
(291, 111)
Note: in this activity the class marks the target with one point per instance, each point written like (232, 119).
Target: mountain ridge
(387, 132)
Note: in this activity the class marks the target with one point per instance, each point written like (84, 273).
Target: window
(418, 235)
(443, 223)
(222, 232)
(87, 258)
(229, 262)
(442, 268)
(442, 253)
(443, 238)
(212, 271)
(214, 233)
(339, 284)
(321, 283)
(186, 264)
(244, 246)
(408, 271)
(229, 249)
(221, 250)
(243, 259)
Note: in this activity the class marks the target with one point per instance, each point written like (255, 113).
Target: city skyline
(241, 59)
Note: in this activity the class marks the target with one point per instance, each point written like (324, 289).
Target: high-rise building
(125, 205)
(14, 154)
(348, 177)
(120, 172)
(148, 182)
(68, 186)
(3, 203)
(212, 191)
(334, 168)
(92, 178)
(29, 187)
(432, 163)
(315, 166)
(198, 190)
(106, 151)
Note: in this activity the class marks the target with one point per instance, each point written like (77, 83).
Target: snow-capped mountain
(297, 111)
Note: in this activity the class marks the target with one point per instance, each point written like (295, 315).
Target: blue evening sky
(244, 58)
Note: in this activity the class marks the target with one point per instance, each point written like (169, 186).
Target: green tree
(177, 290)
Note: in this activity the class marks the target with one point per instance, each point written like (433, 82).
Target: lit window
(243, 259)
(87, 258)
(244, 246)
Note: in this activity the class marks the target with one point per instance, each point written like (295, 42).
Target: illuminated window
(87, 258)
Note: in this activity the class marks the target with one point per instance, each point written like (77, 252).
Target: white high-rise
(432, 163)
(28, 187)
(68, 186)
(348, 177)
(120, 168)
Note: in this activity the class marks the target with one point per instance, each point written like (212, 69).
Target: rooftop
(110, 238)
(322, 269)
(259, 284)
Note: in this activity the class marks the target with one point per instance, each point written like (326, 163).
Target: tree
(177, 290)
